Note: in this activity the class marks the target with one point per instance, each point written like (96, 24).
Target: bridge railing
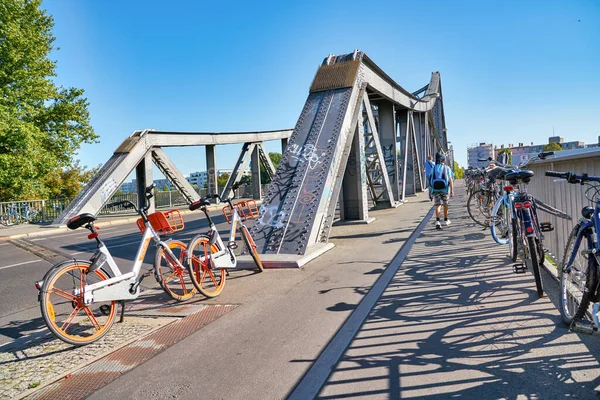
(566, 197)
(50, 209)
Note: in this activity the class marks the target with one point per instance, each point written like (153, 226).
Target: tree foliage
(67, 182)
(507, 151)
(275, 159)
(552, 147)
(458, 171)
(222, 180)
(41, 125)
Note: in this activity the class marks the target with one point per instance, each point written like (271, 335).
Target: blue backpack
(439, 178)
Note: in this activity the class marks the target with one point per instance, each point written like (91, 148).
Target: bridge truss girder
(336, 149)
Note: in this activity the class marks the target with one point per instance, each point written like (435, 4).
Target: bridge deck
(395, 310)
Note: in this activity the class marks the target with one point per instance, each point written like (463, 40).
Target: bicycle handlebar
(570, 177)
(123, 203)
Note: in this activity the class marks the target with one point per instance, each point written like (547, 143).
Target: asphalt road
(19, 269)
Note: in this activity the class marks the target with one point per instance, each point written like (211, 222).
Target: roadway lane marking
(82, 232)
(109, 247)
(312, 382)
(23, 263)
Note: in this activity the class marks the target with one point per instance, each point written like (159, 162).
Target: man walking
(441, 183)
(427, 168)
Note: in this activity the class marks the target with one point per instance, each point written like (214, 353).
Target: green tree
(41, 125)
(507, 151)
(67, 182)
(165, 188)
(275, 159)
(552, 147)
(458, 171)
(222, 180)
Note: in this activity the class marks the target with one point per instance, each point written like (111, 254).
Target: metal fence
(564, 196)
(50, 209)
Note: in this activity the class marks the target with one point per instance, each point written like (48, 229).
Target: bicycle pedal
(546, 227)
(519, 268)
(583, 326)
(232, 245)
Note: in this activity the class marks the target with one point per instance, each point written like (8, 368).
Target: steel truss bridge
(360, 140)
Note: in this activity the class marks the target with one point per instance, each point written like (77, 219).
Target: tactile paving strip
(85, 381)
(159, 310)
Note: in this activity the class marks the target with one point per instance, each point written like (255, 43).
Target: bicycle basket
(246, 209)
(164, 223)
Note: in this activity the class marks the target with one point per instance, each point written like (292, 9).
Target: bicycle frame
(120, 286)
(220, 259)
(528, 216)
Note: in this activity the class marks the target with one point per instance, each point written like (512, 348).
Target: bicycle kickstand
(122, 311)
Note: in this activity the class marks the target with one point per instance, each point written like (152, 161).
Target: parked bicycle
(78, 298)
(208, 256)
(17, 214)
(580, 266)
(516, 222)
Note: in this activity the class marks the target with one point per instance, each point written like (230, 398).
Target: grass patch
(34, 385)
(551, 261)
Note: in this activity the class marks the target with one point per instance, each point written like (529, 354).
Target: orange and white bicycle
(208, 258)
(78, 298)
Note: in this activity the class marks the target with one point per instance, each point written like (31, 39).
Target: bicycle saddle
(499, 173)
(516, 176)
(204, 201)
(80, 220)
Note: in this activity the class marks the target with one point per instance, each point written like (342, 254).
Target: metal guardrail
(50, 209)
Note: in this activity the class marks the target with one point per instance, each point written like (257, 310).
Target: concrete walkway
(395, 310)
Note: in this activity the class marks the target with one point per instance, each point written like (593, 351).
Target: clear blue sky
(512, 71)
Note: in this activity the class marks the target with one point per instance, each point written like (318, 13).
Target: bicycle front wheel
(173, 277)
(500, 218)
(210, 282)
(479, 206)
(63, 308)
(9, 219)
(251, 246)
(535, 266)
(577, 279)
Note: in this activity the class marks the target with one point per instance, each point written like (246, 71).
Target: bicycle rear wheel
(210, 282)
(535, 266)
(34, 216)
(63, 308)
(578, 280)
(251, 246)
(173, 279)
(513, 239)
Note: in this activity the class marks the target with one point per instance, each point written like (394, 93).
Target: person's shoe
(438, 225)
(430, 198)
(447, 222)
